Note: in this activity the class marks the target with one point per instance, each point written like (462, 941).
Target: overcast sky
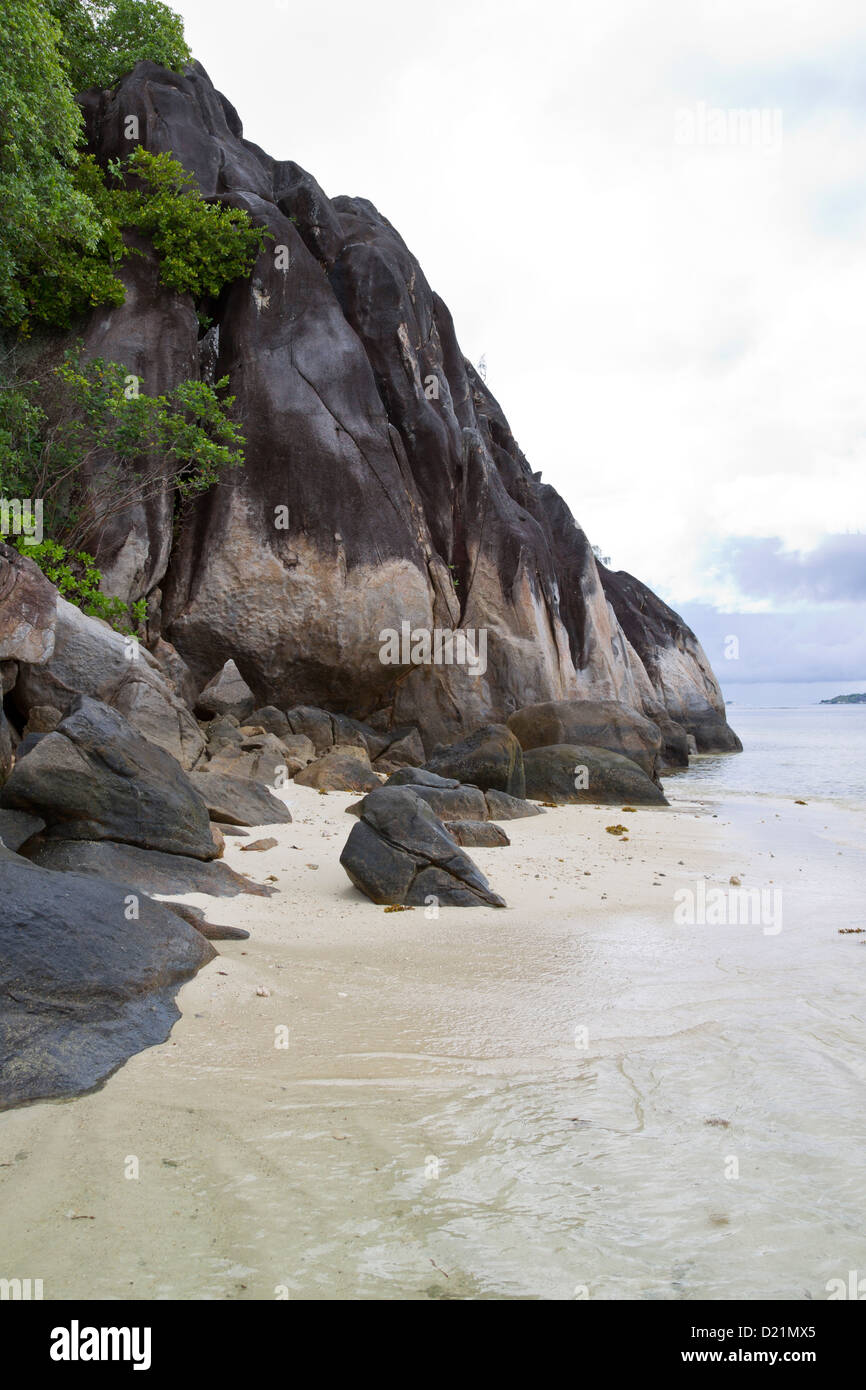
(671, 303)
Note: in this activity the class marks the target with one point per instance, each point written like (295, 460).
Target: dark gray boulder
(565, 773)
(595, 723)
(98, 778)
(501, 806)
(82, 987)
(490, 758)
(147, 871)
(239, 800)
(477, 834)
(17, 827)
(421, 777)
(400, 853)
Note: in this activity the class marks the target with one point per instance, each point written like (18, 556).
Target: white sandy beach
(440, 1126)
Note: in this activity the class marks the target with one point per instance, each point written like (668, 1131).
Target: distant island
(845, 700)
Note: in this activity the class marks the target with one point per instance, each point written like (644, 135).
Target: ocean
(806, 751)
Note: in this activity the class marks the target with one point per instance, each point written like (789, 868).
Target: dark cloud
(834, 572)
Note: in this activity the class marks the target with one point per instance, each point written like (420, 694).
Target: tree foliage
(103, 39)
(91, 444)
(61, 236)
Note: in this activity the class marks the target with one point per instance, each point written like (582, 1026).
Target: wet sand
(575, 1097)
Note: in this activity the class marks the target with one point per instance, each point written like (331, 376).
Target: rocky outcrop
(239, 800)
(383, 495)
(84, 983)
(568, 772)
(599, 723)
(490, 758)
(477, 834)
(400, 853)
(338, 771)
(97, 778)
(91, 658)
(147, 871)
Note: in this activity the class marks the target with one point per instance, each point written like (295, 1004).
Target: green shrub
(79, 580)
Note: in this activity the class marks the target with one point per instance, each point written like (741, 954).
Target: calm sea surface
(810, 751)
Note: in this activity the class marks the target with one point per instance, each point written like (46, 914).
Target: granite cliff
(382, 486)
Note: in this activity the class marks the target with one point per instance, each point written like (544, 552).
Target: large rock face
(383, 494)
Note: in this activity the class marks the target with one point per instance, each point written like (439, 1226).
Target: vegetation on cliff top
(85, 438)
(62, 239)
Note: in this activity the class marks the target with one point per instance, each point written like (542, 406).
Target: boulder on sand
(338, 771)
(239, 800)
(593, 723)
(401, 853)
(477, 834)
(98, 778)
(148, 871)
(82, 987)
(567, 772)
(501, 806)
(490, 758)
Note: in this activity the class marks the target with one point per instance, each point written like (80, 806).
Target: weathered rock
(98, 778)
(222, 732)
(501, 806)
(477, 834)
(315, 724)
(175, 670)
(461, 803)
(558, 774)
(42, 719)
(299, 748)
(421, 777)
(152, 707)
(260, 759)
(239, 800)
(218, 839)
(147, 871)
(490, 758)
(401, 853)
(259, 846)
(227, 693)
(17, 827)
(272, 720)
(596, 723)
(338, 772)
(27, 609)
(90, 658)
(450, 802)
(82, 988)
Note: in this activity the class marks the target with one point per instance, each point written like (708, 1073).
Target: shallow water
(574, 1098)
(811, 750)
